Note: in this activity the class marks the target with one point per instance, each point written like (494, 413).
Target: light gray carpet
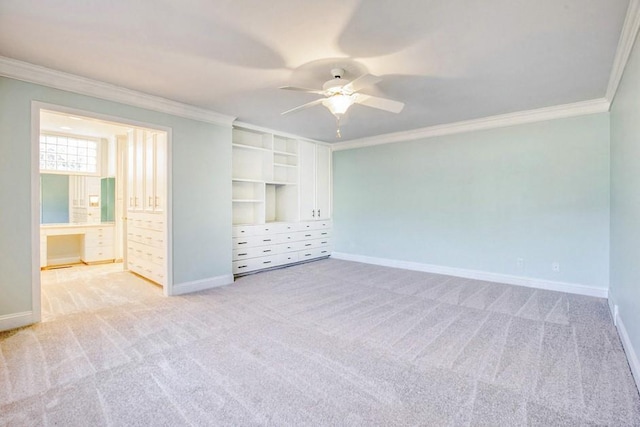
(325, 343)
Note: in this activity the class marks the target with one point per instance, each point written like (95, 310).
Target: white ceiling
(447, 60)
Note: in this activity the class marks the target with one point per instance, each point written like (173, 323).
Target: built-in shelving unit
(267, 199)
(265, 177)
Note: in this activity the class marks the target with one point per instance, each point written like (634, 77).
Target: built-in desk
(77, 242)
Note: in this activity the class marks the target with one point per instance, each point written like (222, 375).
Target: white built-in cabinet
(146, 234)
(315, 181)
(281, 189)
(84, 199)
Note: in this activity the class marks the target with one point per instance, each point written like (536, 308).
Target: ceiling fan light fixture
(339, 103)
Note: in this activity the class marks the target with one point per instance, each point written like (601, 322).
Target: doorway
(103, 209)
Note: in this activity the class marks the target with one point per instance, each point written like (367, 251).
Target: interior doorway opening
(103, 211)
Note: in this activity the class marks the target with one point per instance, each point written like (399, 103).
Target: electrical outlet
(555, 266)
(520, 263)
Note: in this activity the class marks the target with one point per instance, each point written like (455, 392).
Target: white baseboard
(16, 320)
(63, 261)
(632, 356)
(572, 288)
(201, 285)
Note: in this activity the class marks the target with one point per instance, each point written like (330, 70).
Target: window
(68, 154)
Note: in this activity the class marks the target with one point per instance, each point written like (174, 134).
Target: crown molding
(530, 116)
(31, 73)
(625, 44)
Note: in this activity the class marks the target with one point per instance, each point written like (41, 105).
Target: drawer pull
(308, 244)
(266, 262)
(307, 254)
(307, 235)
(241, 266)
(242, 243)
(323, 252)
(323, 243)
(267, 250)
(244, 254)
(266, 240)
(324, 234)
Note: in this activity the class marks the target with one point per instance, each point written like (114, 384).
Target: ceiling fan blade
(380, 103)
(303, 89)
(362, 82)
(303, 106)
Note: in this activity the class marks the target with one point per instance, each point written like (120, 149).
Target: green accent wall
(201, 188)
(54, 198)
(481, 200)
(625, 199)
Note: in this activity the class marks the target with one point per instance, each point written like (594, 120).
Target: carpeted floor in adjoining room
(325, 343)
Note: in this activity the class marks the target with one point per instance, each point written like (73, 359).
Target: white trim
(31, 73)
(600, 105)
(64, 261)
(36, 302)
(632, 356)
(201, 285)
(572, 288)
(16, 320)
(625, 44)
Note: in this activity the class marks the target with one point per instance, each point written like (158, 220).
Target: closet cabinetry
(272, 178)
(315, 181)
(146, 235)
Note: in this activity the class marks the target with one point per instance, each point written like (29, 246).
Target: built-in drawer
(274, 228)
(313, 253)
(255, 251)
(253, 264)
(251, 241)
(98, 254)
(242, 230)
(288, 258)
(319, 225)
(302, 226)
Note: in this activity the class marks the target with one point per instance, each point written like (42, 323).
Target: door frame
(36, 107)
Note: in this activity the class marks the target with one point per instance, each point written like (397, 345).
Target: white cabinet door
(131, 169)
(307, 184)
(323, 182)
(160, 173)
(149, 171)
(138, 187)
(315, 181)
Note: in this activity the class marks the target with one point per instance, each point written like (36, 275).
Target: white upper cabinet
(315, 181)
(146, 171)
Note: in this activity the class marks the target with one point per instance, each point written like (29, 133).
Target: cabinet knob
(313, 213)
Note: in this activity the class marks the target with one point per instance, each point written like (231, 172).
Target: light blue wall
(625, 199)
(201, 155)
(481, 200)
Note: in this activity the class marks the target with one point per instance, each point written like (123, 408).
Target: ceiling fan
(340, 94)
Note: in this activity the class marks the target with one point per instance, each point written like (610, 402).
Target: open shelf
(265, 177)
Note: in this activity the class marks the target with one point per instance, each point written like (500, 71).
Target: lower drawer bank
(258, 247)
